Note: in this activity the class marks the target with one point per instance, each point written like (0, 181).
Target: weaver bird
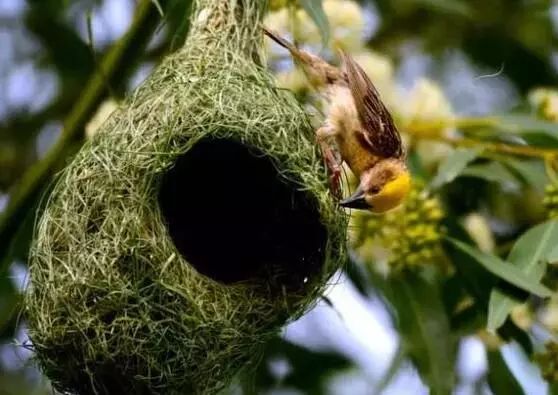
(362, 129)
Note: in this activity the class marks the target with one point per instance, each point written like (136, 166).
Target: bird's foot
(335, 183)
(333, 166)
(324, 135)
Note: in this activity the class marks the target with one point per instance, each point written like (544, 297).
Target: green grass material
(113, 306)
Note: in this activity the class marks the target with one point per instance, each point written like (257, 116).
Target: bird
(358, 129)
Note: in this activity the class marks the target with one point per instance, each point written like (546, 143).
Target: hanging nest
(189, 229)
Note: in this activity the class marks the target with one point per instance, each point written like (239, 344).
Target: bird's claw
(335, 183)
(332, 160)
(334, 171)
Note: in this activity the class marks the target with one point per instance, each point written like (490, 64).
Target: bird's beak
(356, 200)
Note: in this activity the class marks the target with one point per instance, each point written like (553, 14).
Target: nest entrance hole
(234, 218)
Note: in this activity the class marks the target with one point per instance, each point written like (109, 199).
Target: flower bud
(411, 234)
(545, 102)
(548, 362)
(478, 228)
(550, 201)
(428, 110)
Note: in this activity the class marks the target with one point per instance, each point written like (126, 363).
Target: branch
(519, 150)
(116, 64)
(419, 130)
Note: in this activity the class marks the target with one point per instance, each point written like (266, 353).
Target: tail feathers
(280, 40)
(318, 70)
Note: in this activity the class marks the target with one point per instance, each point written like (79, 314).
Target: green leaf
(535, 245)
(177, 20)
(309, 370)
(315, 11)
(468, 322)
(10, 303)
(527, 124)
(529, 254)
(453, 165)
(531, 172)
(500, 379)
(448, 7)
(534, 130)
(414, 162)
(425, 329)
(477, 281)
(491, 172)
(357, 275)
(18, 248)
(509, 273)
(500, 306)
(552, 257)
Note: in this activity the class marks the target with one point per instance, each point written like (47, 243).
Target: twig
(520, 150)
(418, 132)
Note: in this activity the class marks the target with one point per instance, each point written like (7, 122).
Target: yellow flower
(550, 109)
(345, 18)
(406, 238)
(545, 101)
(278, 21)
(427, 111)
(478, 228)
(347, 23)
(432, 152)
(550, 201)
(491, 341)
(548, 362)
(522, 316)
(549, 314)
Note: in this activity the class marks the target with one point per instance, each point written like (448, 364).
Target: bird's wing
(379, 132)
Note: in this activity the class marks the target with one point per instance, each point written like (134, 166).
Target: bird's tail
(282, 42)
(317, 70)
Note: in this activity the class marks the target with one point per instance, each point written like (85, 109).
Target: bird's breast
(357, 157)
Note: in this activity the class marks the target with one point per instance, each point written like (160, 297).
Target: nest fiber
(188, 230)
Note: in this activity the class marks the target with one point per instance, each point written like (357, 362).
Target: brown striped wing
(379, 131)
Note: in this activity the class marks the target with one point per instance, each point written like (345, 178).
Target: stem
(465, 123)
(423, 127)
(550, 167)
(419, 129)
(519, 150)
(114, 67)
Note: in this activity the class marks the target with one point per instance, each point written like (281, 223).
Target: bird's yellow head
(382, 188)
(391, 195)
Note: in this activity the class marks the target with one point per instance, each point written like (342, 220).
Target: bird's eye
(374, 190)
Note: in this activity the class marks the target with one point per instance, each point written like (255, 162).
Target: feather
(378, 132)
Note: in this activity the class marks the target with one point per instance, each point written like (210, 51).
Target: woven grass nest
(189, 230)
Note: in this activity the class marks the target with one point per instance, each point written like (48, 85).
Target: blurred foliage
(515, 33)
(484, 266)
(293, 366)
